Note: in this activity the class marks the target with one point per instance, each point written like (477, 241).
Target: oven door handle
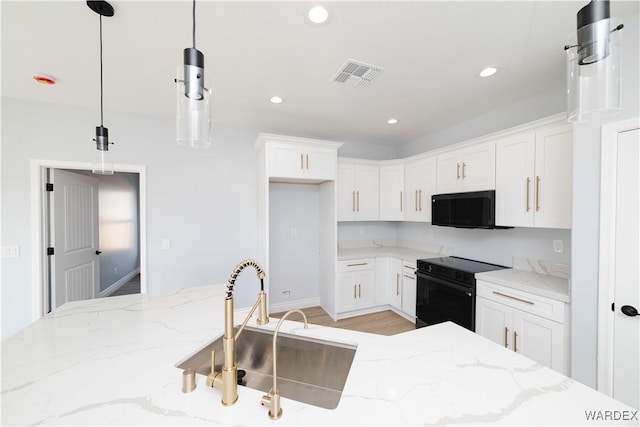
(469, 290)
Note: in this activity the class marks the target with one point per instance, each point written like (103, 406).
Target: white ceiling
(431, 53)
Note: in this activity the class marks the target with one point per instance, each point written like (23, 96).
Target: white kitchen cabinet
(392, 192)
(419, 186)
(409, 288)
(394, 280)
(533, 178)
(301, 161)
(528, 324)
(468, 169)
(356, 284)
(358, 191)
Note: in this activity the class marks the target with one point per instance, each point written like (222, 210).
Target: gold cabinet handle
(401, 201)
(515, 341)
(307, 161)
(408, 266)
(397, 283)
(464, 165)
(528, 184)
(409, 277)
(420, 200)
(357, 201)
(515, 298)
(357, 264)
(354, 292)
(359, 291)
(416, 201)
(457, 170)
(506, 333)
(301, 161)
(353, 201)
(537, 193)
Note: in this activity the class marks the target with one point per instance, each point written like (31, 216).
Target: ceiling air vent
(356, 73)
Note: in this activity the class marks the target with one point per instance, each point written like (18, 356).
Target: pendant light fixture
(193, 98)
(102, 166)
(593, 64)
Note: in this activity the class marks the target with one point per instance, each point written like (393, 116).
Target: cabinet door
(514, 180)
(479, 167)
(395, 283)
(539, 339)
(320, 163)
(382, 280)
(553, 172)
(346, 192)
(494, 321)
(286, 160)
(449, 172)
(366, 288)
(391, 193)
(420, 185)
(367, 193)
(409, 294)
(347, 291)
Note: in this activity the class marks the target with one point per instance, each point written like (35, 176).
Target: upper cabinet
(358, 191)
(300, 159)
(468, 169)
(419, 186)
(534, 178)
(391, 192)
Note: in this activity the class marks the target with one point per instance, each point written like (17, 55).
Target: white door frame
(38, 239)
(607, 253)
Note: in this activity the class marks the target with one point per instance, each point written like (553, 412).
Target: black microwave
(476, 209)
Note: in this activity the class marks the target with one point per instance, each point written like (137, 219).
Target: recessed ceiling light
(488, 72)
(318, 14)
(276, 100)
(392, 121)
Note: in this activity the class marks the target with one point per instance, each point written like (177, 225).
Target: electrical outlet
(10, 251)
(286, 294)
(115, 271)
(558, 246)
(166, 244)
(294, 232)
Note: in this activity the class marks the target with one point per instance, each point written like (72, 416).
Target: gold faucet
(227, 380)
(272, 399)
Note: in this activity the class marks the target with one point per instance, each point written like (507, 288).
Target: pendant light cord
(101, 91)
(194, 24)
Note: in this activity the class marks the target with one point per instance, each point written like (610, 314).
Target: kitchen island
(111, 361)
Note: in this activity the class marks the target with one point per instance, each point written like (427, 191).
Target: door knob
(629, 310)
(98, 252)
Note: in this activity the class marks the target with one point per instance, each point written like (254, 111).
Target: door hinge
(49, 187)
(50, 251)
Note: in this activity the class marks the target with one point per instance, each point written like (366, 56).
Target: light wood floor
(382, 323)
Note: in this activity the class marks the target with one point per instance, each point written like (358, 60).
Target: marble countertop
(382, 251)
(536, 277)
(111, 361)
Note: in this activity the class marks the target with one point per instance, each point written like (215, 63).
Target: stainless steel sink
(310, 370)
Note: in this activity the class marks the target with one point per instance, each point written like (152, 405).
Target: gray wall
(204, 201)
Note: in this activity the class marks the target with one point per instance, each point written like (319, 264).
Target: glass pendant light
(102, 165)
(593, 64)
(193, 98)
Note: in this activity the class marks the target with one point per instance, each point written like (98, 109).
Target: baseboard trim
(117, 285)
(290, 305)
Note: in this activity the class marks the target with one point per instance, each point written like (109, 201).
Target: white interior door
(626, 329)
(75, 264)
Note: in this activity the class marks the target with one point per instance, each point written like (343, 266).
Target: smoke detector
(357, 74)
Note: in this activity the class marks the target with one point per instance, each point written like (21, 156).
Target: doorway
(40, 175)
(619, 293)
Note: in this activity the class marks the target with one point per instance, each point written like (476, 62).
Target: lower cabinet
(528, 324)
(409, 288)
(356, 284)
(394, 281)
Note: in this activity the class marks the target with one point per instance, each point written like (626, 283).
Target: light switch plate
(166, 244)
